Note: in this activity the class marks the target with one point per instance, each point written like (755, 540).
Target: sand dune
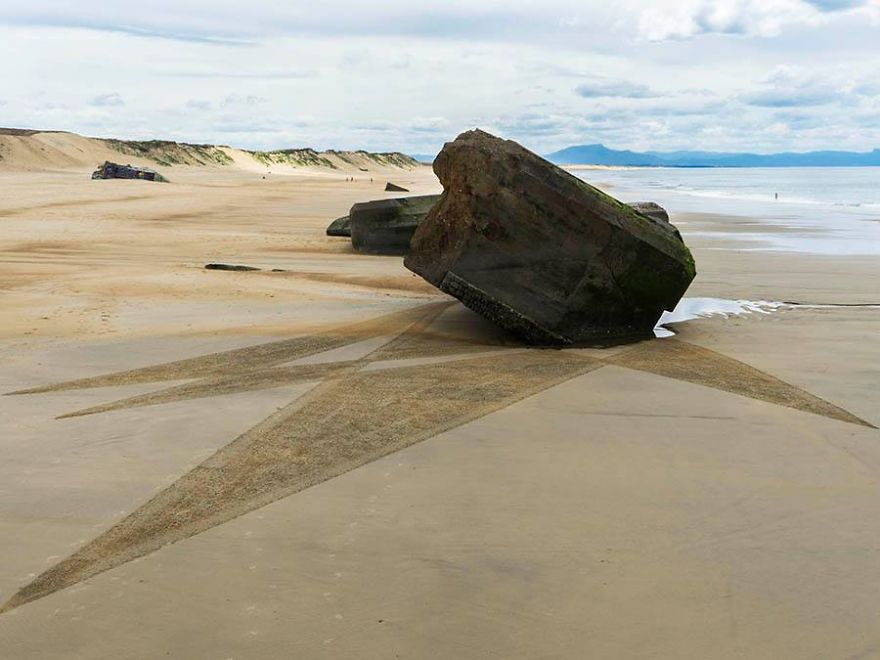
(27, 150)
(23, 151)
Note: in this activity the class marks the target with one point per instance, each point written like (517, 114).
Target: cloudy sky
(746, 75)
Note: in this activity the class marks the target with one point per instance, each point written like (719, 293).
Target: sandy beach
(710, 495)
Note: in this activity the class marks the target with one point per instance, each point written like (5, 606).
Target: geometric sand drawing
(359, 410)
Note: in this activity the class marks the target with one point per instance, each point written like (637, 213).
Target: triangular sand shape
(684, 361)
(356, 416)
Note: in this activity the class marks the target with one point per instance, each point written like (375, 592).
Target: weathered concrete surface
(650, 209)
(386, 226)
(340, 227)
(542, 253)
(116, 171)
(393, 187)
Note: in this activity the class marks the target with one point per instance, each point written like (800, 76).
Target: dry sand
(335, 461)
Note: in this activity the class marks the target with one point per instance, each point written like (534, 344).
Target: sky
(717, 75)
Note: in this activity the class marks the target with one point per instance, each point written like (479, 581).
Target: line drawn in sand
(409, 384)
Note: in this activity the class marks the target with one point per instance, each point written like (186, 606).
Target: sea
(817, 210)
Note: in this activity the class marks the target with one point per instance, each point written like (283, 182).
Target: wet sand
(336, 461)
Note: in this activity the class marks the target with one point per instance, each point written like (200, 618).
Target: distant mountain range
(597, 154)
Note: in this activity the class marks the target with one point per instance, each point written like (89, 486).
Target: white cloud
(113, 100)
(596, 87)
(684, 19)
(797, 87)
(249, 100)
(199, 105)
(392, 74)
(430, 124)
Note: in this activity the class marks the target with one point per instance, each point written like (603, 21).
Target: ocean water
(819, 210)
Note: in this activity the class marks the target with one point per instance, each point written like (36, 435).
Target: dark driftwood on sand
(234, 267)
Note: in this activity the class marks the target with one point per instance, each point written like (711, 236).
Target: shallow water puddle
(689, 309)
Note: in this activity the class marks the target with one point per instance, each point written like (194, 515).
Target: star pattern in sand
(411, 383)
